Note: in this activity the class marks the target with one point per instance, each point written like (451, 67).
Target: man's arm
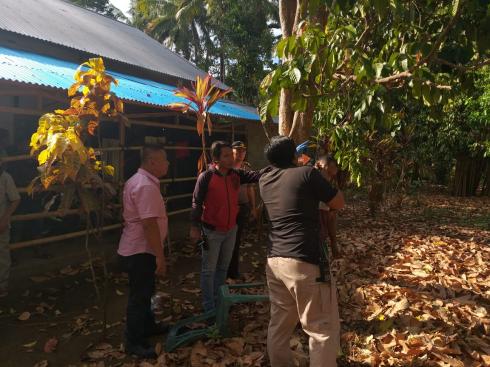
(198, 197)
(251, 200)
(152, 236)
(337, 202)
(250, 177)
(148, 201)
(325, 192)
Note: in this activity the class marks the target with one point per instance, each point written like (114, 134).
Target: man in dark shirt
(291, 196)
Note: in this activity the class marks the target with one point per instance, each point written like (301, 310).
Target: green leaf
(382, 7)
(351, 29)
(299, 103)
(417, 89)
(426, 94)
(295, 75)
(455, 7)
(281, 47)
(393, 58)
(404, 64)
(291, 46)
(378, 67)
(436, 96)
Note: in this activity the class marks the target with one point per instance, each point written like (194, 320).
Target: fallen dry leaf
(50, 345)
(193, 291)
(39, 279)
(42, 364)
(30, 345)
(24, 316)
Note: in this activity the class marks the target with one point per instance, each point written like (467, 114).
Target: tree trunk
(197, 45)
(467, 176)
(486, 180)
(302, 124)
(297, 125)
(222, 66)
(285, 113)
(375, 196)
(287, 13)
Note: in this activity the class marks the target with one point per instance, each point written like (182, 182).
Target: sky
(123, 5)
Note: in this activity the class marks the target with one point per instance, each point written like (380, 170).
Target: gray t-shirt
(8, 192)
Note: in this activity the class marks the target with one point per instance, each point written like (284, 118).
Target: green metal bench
(217, 320)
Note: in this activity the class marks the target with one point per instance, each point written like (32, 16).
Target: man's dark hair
(149, 149)
(280, 152)
(217, 147)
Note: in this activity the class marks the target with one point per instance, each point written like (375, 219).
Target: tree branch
(442, 37)
(460, 67)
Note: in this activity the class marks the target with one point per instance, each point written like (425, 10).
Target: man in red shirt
(214, 213)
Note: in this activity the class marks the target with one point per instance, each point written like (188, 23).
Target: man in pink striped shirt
(141, 247)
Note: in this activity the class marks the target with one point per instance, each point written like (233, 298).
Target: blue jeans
(215, 262)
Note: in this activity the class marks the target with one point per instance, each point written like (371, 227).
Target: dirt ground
(414, 289)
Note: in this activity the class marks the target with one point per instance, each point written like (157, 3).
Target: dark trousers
(242, 220)
(139, 317)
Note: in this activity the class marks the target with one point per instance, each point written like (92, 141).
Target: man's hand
(195, 234)
(4, 224)
(161, 266)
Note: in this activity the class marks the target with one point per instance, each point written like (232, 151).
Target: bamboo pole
(61, 237)
(70, 212)
(23, 157)
(67, 236)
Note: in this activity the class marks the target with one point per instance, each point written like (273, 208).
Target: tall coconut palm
(179, 24)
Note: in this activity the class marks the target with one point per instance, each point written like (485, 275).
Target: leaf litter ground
(414, 290)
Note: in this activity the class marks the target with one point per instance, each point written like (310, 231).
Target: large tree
(244, 42)
(233, 39)
(179, 24)
(362, 52)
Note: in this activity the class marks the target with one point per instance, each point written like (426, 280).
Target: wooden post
(122, 144)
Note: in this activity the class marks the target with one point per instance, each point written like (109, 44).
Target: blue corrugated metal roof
(28, 67)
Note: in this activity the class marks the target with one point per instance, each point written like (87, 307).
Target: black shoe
(158, 329)
(140, 351)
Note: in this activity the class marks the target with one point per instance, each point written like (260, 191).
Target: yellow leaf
(119, 106)
(109, 170)
(73, 89)
(34, 139)
(43, 157)
(85, 90)
(106, 107)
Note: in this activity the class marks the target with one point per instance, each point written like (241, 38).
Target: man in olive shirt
(291, 196)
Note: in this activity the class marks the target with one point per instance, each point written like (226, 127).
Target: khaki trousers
(295, 295)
